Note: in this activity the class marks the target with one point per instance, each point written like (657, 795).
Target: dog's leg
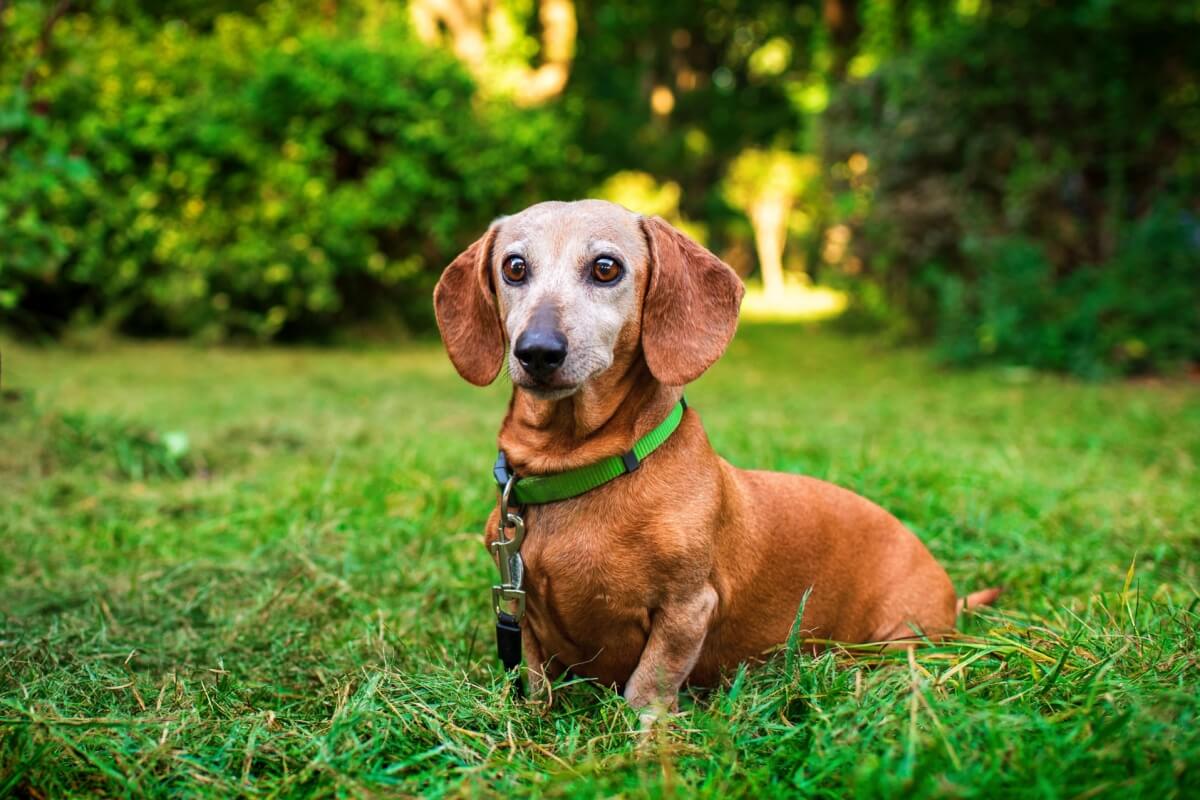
(541, 672)
(677, 633)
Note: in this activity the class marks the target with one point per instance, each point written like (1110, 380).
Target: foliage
(640, 192)
(1033, 187)
(730, 69)
(1016, 181)
(309, 614)
(1139, 312)
(758, 174)
(274, 177)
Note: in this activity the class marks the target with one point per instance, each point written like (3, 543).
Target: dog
(685, 567)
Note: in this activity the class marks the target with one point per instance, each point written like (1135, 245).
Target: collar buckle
(502, 472)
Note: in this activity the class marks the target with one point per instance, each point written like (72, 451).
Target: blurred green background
(1011, 181)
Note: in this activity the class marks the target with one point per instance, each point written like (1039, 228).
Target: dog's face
(559, 288)
(568, 278)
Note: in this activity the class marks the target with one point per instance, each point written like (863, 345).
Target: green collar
(538, 489)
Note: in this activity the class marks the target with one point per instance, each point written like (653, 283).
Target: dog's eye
(514, 269)
(605, 269)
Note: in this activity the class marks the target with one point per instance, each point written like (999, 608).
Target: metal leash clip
(508, 557)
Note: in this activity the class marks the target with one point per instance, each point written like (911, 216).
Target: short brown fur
(465, 306)
(688, 566)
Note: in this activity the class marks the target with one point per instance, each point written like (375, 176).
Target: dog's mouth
(562, 382)
(548, 389)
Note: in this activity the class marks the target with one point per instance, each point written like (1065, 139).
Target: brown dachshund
(687, 566)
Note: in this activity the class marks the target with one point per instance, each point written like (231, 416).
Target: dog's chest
(582, 569)
(589, 596)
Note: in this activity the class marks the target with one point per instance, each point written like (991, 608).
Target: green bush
(1034, 186)
(1140, 312)
(274, 177)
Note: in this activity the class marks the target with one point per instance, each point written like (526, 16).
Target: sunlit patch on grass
(799, 301)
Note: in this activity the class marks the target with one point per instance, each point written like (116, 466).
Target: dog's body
(686, 567)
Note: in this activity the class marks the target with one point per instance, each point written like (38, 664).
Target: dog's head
(564, 290)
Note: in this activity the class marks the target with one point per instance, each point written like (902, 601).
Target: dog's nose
(541, 351)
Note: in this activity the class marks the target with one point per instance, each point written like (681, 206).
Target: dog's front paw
(652, 708)
(655, 723)
(649, 718)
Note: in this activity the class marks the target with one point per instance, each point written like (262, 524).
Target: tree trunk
(841, 17)
(769, 218)
(466, 23)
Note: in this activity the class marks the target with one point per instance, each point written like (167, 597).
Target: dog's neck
(604, 418)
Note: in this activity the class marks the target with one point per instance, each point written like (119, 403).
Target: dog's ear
(690, 310)
(467, 315)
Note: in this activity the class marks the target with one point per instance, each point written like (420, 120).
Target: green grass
(293, 599)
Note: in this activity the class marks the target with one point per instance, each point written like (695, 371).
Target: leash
(515, 493)
(512, 576)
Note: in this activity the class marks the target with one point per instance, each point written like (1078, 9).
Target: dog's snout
(541, 350)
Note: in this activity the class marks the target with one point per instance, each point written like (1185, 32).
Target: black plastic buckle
(630, 460)
(501, 471)
(508, 647)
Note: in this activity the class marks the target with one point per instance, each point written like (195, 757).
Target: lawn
(260, 572)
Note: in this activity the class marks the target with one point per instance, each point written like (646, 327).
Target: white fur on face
(559, 243)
